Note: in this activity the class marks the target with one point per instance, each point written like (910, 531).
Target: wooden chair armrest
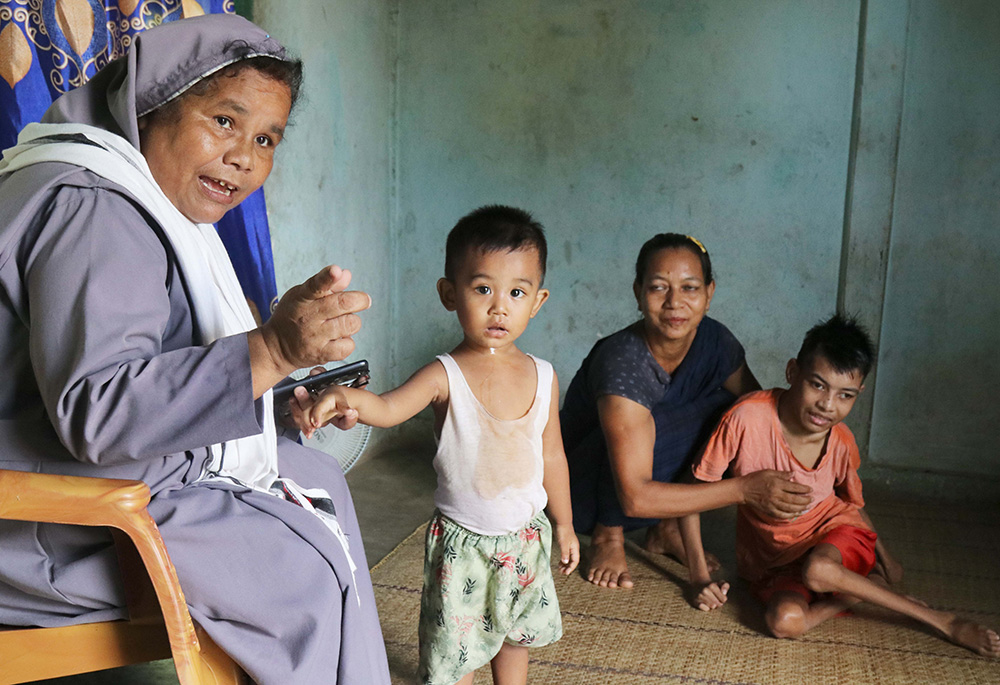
(48, 498)
(119, 504)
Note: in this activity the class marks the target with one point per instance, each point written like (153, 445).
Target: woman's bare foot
(665, 538)
(979, 639)
(607, 567)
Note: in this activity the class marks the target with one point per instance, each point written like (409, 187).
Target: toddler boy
(488, 590)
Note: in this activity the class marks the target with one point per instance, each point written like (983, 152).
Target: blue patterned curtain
(48, 47)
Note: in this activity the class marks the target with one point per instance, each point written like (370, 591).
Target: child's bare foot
(607, 567)
(979, 639)
(665, 538)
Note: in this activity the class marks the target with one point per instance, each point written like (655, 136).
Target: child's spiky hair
(494, 228)
(842, 341)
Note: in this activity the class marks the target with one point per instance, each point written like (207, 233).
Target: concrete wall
(830, 154)
(729, 121)
(330, 194)
(935, 406)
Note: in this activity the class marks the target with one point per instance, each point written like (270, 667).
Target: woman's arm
(741, 381)
(115, 367)
(630, 434)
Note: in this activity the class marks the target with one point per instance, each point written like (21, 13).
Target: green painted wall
(329, 197)
(729, 121)
(830, 153)
(935, 406)
(244, 8)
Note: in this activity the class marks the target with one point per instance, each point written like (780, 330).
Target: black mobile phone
(355, 375)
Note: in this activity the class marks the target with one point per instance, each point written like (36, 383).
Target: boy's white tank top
(490, 470)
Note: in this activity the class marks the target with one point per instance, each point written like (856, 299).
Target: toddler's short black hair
(494, 228)
(842, 341)
(672, 241)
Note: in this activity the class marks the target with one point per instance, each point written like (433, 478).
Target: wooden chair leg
(223, 669)
(140, 595)
(212, 666)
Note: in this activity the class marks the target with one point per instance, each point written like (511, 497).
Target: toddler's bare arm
(426, 386)
(555, 480)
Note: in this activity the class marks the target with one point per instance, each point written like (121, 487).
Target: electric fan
(344, 446)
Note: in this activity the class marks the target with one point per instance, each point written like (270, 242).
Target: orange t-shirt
(749, 439)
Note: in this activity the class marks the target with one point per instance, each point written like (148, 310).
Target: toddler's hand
(331, 406)
(569, 549)
(708, 596)
(298, 404)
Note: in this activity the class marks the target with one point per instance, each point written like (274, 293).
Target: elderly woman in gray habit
(128, 351)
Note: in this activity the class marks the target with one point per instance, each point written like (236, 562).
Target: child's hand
(331, 406)
(708, 596)
(298, 404)
(569, 549)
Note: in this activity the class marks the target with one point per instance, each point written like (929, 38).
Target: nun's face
(210, 151)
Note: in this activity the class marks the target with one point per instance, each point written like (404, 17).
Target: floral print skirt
(482, 590)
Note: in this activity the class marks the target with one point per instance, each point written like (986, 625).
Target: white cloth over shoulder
(218, 302)
(490, 470)
(219, 306)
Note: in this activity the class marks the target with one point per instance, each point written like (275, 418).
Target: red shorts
(857, 552)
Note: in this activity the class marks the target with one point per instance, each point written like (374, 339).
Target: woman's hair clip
(698, 243)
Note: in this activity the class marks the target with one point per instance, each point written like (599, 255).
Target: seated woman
(643, 401)
(128, 351)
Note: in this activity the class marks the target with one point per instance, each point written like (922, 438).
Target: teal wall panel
(935, 405)
(872, 180)
(830, 153)
(614, 121)
(330, 194)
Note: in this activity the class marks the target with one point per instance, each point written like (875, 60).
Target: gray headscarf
(161, 64)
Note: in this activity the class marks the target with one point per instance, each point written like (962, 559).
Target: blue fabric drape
(48, 47)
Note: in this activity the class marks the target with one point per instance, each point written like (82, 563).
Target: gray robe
(103, 374)
(92, 305)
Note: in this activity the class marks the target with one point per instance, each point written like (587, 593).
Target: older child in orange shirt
(832, 547)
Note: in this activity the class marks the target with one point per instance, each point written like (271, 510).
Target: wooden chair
(159, 625)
